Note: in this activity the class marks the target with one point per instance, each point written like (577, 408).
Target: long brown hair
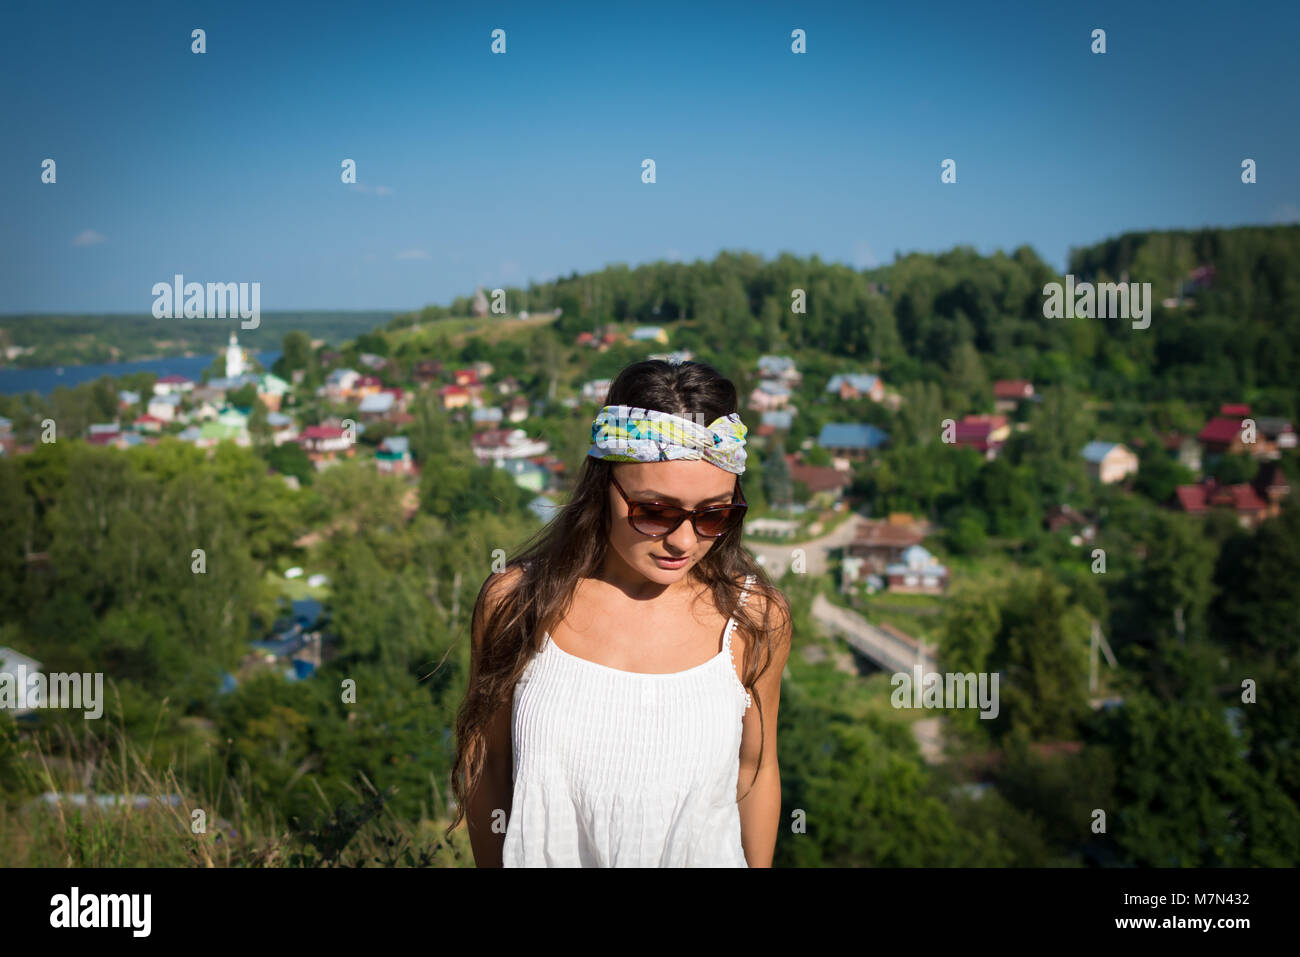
(573, 546)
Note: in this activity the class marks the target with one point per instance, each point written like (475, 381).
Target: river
(45, 379)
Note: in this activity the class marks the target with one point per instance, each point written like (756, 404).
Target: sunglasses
(712, 521)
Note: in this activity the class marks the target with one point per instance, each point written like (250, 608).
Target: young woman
(626, 667)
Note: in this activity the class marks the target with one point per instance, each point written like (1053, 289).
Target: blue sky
(475, 169)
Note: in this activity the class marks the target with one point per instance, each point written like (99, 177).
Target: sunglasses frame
(687, 513)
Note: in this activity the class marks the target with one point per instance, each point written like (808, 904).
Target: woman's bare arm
(487, 808)
(760, 809)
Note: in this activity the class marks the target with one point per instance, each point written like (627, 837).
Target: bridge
(887, 648)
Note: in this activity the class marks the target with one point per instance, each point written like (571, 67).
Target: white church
(235, 361)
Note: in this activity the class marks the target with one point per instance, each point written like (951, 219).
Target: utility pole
(1098, 642)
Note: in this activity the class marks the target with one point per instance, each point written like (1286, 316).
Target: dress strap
(731, 622)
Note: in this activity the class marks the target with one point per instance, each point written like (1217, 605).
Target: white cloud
(413, 254)
(88, 237)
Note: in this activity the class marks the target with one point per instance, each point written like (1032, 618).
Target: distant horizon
(1061, 270)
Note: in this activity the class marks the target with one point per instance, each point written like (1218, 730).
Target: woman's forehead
(679, 480)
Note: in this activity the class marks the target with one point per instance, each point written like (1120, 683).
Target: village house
(488, 417)
(1253, 502)
(282, 426)
(517, 408)
(1009, 393)
(825, 485)
(849, 441)
(426, 371)
(649, 334)
(775, 420)
(769, 395)
(508, 386)
(1278, 433)
(465, 377)
(882, 543)
(454, 396)
(372, 361)
(595, 390)
(172, 383)
(1241, 499)
(1230, 433)
(780, 368)
(147, 423)
(340, 383)
(324, 443)
(856, 386)
(271, 390)
(376, 406)
(1109, 462)
(208, 393)
(205, 411)
(496, 445)
(165, 407)
(984, 433)
(1223, 436)
(917, 573)
(367, 385)
(103, 434)
(393, 457)
(126, 399)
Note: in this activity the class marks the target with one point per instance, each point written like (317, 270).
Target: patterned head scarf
(623, 433)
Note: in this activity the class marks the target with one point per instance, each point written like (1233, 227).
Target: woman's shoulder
(766, 600)
(499, 585)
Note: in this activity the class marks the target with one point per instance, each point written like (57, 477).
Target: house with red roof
(1252, 502)
(825, 484)
(1009, 393)
(324, 443)
(172, 383)
(1222, 436)
(453, 396)
(984, 433)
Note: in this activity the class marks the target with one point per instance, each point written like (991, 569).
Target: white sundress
(617, 768)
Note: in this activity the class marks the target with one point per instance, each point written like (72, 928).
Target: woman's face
(691, 483)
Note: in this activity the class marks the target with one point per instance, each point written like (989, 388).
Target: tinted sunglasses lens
(654, 520)
(714, 523)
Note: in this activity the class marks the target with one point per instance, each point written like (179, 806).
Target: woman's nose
(683, 537)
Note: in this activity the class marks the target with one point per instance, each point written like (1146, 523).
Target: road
(778, 555)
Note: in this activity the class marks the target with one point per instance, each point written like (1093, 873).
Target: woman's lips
(665, 562)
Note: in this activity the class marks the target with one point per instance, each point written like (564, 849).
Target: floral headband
(623, 433)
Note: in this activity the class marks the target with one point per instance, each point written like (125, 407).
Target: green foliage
(1187, 797)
